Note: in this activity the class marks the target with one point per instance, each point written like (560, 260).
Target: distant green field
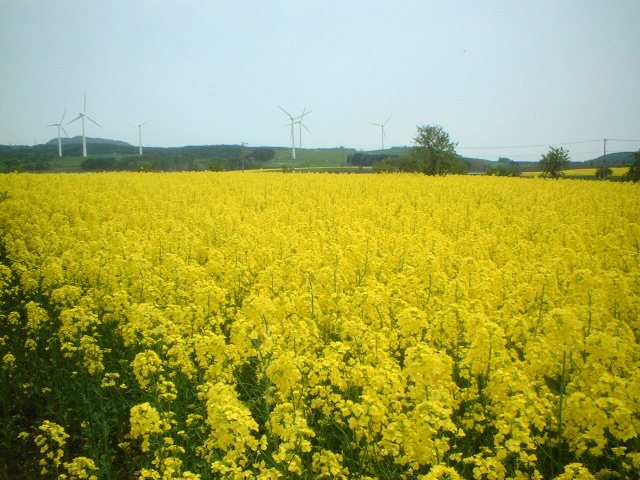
(323, 157)
(65, 164)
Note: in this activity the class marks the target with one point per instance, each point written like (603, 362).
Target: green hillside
(612, 159)
(395, 151)
(311, 157)
(327, 157)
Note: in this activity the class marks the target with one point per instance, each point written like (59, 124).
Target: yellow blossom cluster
(80, 468)
(267, 325)
(50, 441)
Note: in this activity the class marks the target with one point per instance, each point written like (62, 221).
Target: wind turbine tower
(82, 117)
(382, 134)
(301, 125)
(140, 135)
(293, 138)
(60, 127)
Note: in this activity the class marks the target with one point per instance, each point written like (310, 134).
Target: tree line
(231, 157)
(434, 154)
(112, 157)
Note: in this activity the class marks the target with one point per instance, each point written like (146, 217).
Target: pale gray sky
(492, 73)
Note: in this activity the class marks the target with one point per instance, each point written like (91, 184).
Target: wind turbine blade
(89, 118)
(63, 114)
(53, 125)
(84, 110)
(65, 132)
(79, 116)
(385, 122)
(287, 113)
(376, 124)
(305, 127)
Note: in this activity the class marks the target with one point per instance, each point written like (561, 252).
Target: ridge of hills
(77, 140)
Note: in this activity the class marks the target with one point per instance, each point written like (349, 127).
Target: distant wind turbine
(60, 127)
(82, 117)
(381, 125)
(301, 125)
(293, 138)
(140, 135)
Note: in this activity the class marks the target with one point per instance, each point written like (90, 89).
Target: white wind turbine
(382, 134)
(60, 127)
(293, 138)
(300, 125)
(140, 135)
(82, 116)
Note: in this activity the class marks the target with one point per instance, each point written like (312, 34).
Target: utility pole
(604, 157)
(244, 144)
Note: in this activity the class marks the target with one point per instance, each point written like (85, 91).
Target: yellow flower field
(582, 172)
(270, 325)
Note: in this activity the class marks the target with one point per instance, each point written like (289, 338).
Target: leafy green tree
(434, 151)
(505, 168)
(554, 162)
(362, 159)
(405, 163)
(633, 174)
(603, 172)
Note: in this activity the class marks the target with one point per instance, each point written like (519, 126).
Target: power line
(531, 157)
(547, 144)
(535, 146)
(590, 153)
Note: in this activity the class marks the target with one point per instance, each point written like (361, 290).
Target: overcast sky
(499, 73)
